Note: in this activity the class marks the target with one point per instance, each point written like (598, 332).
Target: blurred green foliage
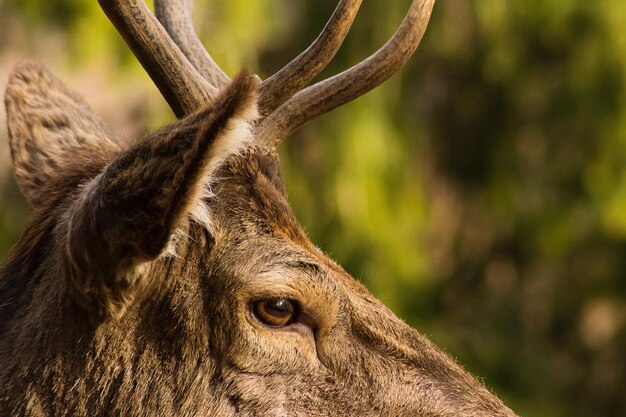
(481, 193)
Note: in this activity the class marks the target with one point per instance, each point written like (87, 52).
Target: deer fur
(130, 291)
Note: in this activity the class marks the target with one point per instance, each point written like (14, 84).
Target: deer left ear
(47, 123)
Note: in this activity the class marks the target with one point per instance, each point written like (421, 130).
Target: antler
(285, 83)
(352, 83)
(187, 76)
(176, 17)
(179, 82)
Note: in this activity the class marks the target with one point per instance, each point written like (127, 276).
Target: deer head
(169, 276)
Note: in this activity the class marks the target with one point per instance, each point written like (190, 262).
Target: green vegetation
(481, 193)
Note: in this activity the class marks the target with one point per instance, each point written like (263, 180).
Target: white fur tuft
(235, 137)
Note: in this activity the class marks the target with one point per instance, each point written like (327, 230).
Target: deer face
(340, 346)
(169, 274)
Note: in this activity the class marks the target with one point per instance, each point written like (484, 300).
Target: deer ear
(47, 122)
(127, 215)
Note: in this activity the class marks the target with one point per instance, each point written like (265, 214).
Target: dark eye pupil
(277, 312)
(280, 308)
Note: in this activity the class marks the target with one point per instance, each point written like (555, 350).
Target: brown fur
(96, 319)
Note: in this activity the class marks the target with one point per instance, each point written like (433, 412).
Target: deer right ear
(126, 216)
(47, 122)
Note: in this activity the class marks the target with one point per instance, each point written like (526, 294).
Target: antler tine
(275, 90)
(180, 84)
(352, 83)
(176, 17)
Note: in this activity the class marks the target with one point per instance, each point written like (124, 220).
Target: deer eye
(276, 312)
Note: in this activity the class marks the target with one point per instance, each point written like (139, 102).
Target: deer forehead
(250, 201)
(256, 230)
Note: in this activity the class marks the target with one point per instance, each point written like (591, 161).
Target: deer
(167, 275)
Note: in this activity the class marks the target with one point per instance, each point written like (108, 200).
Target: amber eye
(276, 312)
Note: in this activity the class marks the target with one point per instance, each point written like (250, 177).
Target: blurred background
(480, 193)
